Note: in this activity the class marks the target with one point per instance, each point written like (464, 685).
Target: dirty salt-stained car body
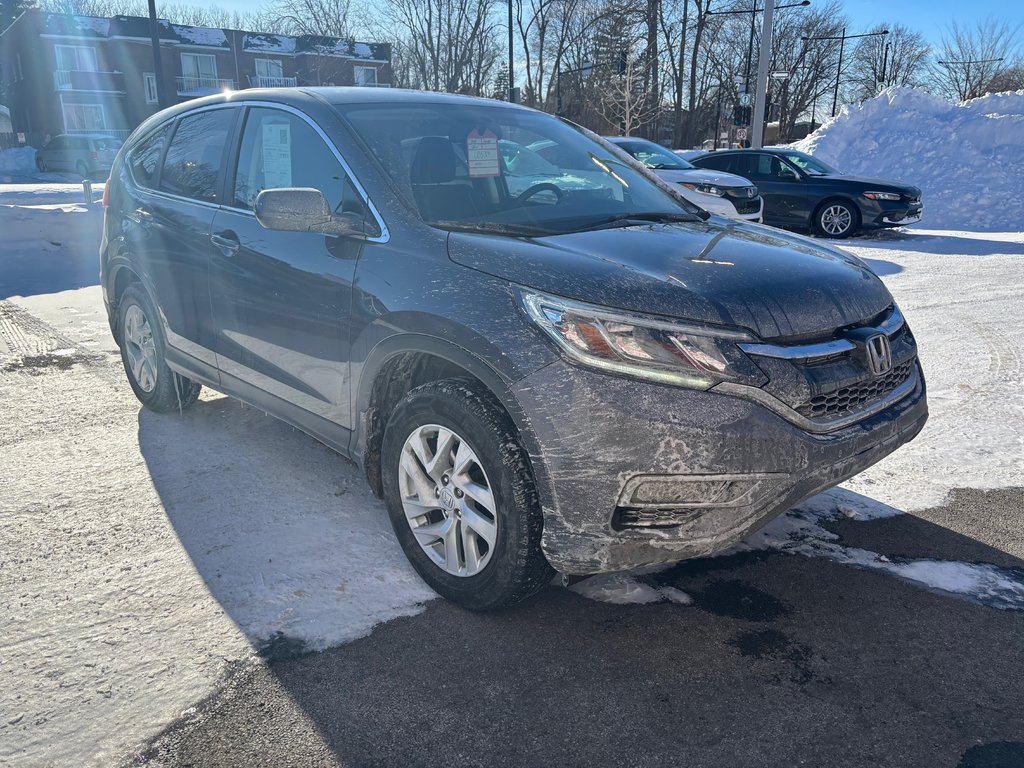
(583, 376)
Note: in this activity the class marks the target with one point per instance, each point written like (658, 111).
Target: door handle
(140, 216)
(226, 240)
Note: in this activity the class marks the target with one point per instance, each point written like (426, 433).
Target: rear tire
(82, 169)
(142, 351)
(836, 219)
(41, 165)
(455, 472)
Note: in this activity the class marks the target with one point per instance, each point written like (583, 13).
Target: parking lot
(216, 588)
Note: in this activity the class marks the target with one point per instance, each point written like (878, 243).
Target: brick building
(67, 74)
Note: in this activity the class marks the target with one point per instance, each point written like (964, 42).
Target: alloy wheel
(140, 348)
(836, 219)
(447, 499)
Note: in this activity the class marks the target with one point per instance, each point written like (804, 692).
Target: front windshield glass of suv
(810, 165)
(654, 155)
(506, 171)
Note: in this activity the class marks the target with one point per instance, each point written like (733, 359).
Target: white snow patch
(205, 36)
(626, 588)
(968, 159)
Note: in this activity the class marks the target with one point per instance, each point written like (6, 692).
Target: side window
(145, 158)
(279, 149)
(57, 143)
(716, 162)
(193, 161)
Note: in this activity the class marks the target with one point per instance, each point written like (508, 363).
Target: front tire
(142, 351)
(836, 219)
(460, 493)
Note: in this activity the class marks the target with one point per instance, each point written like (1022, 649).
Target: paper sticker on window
(482, 154)
(277, 155)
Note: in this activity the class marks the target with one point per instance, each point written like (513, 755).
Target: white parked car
(714, 191)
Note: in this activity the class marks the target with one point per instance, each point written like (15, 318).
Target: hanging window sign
(277, 155)
(482, 154)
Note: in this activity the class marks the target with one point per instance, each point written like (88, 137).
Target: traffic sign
(741, 134)
(745, 99)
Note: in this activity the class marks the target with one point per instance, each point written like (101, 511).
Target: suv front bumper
(633, 473)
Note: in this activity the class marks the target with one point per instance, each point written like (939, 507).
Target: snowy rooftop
(211, 37)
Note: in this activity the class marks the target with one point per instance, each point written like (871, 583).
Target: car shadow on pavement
(939, 243)
(780, 659)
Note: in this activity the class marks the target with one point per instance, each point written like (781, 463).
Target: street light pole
(511, 64)
(761, 94)
(842, 40)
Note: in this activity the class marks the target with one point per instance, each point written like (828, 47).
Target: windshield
(810, 165)
(506, 171)
(654, 155)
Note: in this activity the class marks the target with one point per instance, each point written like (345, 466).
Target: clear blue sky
(931, 17)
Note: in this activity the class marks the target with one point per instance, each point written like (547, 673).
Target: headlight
(687, 355)
(707, 189)
(882, 195)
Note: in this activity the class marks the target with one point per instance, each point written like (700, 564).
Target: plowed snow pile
(967, 158)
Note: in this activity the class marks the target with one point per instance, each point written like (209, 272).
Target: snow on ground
(140, 554)
(967, 158)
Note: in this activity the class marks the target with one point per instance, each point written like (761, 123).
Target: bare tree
(442, 45)
(899, 58)
(330, 18)
(971, 58)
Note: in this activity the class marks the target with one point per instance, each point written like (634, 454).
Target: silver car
(87, 154)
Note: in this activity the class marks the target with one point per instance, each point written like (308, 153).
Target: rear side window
(717, 162)
(144, 159)
(107, 145)
(279, 149)
(193, 161)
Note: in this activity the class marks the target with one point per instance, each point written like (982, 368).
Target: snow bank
(967, 158)
(18, 160)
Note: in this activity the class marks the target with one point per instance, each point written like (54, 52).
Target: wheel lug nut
(437, 491)
(444, 479)
(458, 493)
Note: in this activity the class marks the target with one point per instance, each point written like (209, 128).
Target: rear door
(281, 300)
(171, 227)
(54, 154)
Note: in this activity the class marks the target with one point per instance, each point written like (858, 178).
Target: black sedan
(801, 191)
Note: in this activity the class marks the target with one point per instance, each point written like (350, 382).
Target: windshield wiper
(625, 219)
(491, 228)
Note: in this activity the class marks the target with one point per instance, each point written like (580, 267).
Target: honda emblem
(879, 353)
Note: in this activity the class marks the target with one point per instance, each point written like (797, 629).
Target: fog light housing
(666, 501)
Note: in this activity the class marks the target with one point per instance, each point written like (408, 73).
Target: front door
(281, 300)
(782, 187)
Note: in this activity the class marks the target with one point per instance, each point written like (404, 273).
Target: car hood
(882, 185)
(702, 176)
(775, 284)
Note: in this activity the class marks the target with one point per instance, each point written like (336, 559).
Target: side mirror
(787, 174)
(305, 210)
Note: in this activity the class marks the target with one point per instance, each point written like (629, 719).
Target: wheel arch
(401, 363)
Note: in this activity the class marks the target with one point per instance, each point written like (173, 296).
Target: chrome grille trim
(889, 326)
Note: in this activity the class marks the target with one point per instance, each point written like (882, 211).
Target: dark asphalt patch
(782, 661)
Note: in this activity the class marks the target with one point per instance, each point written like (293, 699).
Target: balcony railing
(374, 85)
(88, 80)
(266, 81)
(202, 86)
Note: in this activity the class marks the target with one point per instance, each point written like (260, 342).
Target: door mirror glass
(299, 209)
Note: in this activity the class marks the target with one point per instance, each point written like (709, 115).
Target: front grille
(844, 400)
(741, 193)
(744, 207)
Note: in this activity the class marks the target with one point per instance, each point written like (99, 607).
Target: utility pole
(158, 71)
(761, 95)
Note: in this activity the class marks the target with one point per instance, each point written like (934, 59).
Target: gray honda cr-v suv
(567, 367)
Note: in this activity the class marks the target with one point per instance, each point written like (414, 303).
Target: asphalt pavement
(782, 660)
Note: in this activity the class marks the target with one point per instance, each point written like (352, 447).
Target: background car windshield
(494, 169)
(654, 155)
(810, 165)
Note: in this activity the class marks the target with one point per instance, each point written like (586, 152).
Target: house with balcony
(83, 74)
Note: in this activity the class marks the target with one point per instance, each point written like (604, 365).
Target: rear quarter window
(144, 159)
(716, 162)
